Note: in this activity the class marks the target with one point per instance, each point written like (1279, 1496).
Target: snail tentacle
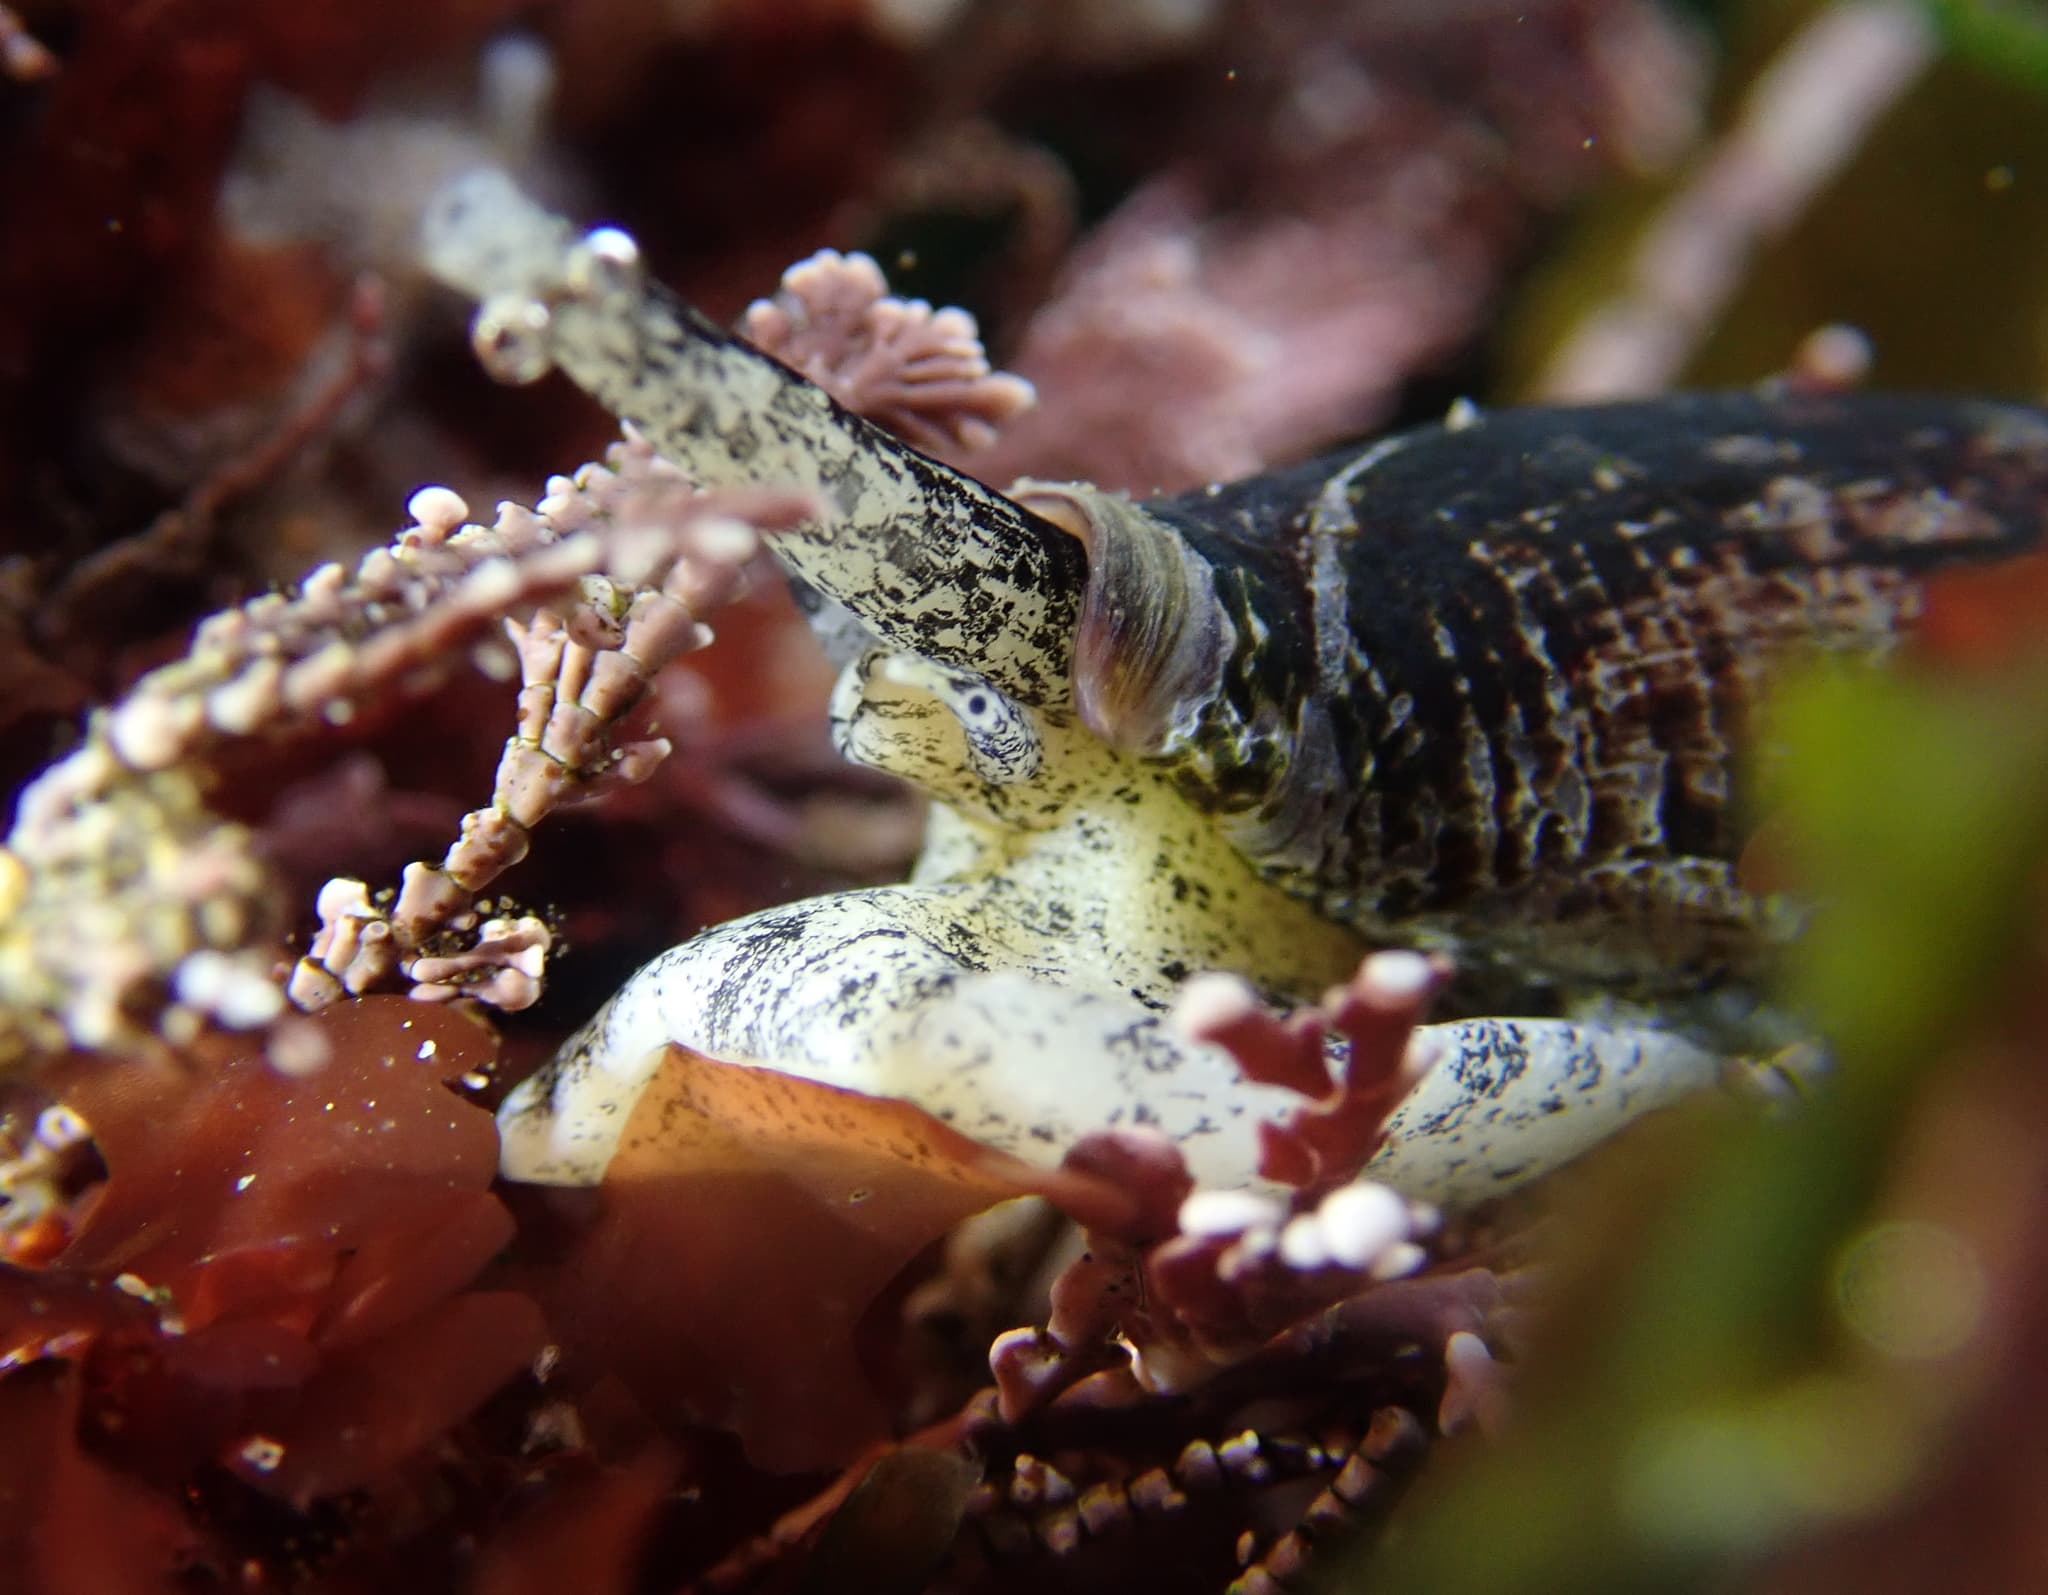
(928, 558)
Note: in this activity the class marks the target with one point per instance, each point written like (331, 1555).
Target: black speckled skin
(1502, 672)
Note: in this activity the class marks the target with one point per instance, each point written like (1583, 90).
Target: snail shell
(1488, 685)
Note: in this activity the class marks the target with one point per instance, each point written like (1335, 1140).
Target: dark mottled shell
(1491, 680)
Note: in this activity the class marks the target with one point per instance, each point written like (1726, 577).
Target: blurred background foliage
(1933, 240)
(2004, 36)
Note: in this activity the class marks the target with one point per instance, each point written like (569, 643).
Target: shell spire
(932, 560)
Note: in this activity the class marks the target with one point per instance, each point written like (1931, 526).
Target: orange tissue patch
(752, 1218)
